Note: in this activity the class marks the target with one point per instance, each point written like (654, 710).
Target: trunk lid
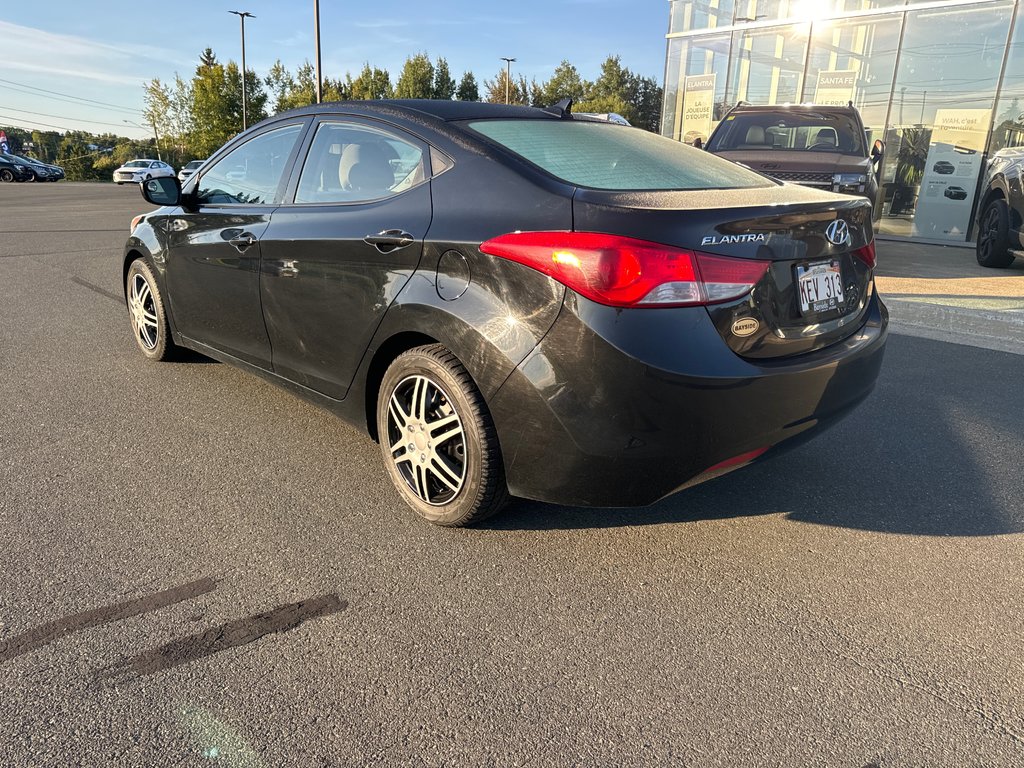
(816, 289)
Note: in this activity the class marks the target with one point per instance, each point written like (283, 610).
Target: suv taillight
(625, 272)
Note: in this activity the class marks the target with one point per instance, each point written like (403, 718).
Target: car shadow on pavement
(930, 453)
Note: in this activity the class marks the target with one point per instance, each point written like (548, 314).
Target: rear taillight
(624, 272)
(867, 254)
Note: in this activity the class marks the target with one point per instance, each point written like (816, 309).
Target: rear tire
(438, 440)
(993, 248)
(146, 313)
(6, 175)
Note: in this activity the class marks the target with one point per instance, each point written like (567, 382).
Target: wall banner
(698, 107)
(836, 88)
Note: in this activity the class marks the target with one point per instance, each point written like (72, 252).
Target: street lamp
(242, 15)
(508, 74)
(316, 33)
(155, 136)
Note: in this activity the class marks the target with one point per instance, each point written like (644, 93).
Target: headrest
(364, 168)
(755, 135)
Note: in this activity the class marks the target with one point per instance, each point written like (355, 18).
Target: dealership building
(940, 83)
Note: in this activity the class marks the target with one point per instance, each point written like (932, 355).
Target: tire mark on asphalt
(97, 289)
(47, 633)
(232, 634)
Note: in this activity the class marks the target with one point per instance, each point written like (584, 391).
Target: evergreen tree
(444, 84)
(468, 89)
(565, 83)
(372, 83)
(518, 91)
(417, 78)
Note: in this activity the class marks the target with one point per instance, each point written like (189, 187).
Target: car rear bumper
(622, 408)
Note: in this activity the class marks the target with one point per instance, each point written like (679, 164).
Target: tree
(519, 91)
(281, 84)
(159, 103)
(565, 83)
(417, 78)
(444, 84)
(212, 111)
(372, 83)
(645, 96)
(468, 89)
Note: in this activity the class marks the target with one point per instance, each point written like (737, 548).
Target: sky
(104, 56)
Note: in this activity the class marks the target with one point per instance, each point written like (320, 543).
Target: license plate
(820, 286)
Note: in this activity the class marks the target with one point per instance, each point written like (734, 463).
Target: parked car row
(145, 169)
(20, 168)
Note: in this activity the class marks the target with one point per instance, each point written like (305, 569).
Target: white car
(189, 169)
(140, 170)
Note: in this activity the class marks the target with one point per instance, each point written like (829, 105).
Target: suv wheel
(993, 248)
(437, 438)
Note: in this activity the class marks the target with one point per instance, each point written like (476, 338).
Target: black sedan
(1001, 211)
(13, 169)
(516, 301)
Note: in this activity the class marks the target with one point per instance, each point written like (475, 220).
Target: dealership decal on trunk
(732, 239)
(745, 326)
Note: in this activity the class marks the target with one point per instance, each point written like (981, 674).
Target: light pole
(155, 136)
(316, 35)
(242, 15)
(508, 74)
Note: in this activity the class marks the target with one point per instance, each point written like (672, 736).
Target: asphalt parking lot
(200, 569)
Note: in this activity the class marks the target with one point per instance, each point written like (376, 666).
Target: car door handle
(389, 240)
(243, 241)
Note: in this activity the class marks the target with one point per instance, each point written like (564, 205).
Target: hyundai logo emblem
(838, 233)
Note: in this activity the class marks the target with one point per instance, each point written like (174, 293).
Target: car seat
(755, 138)
(364, 168)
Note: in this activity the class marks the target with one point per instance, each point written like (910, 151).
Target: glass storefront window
(699, 14)
(866, 49)
(695, 97)
(768, 64)
(1008, 130)
(943, 98)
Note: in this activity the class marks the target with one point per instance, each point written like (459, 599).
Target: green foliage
(518, 90)
(417, 78)
(565, 83)
(468, 89)
(444, 83)
(372, 83)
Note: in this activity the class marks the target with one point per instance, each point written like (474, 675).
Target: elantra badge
(745, 326)
(838, 232)
(732, 239)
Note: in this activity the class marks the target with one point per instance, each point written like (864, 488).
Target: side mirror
(164, 190)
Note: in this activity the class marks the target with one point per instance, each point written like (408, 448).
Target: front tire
(146, 312)
(438, 440)
(993, 248)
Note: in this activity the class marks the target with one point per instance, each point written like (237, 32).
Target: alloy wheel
(427, 441)
(989, 231)
(143, 312)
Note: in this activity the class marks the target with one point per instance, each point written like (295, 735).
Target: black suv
(817, 146)
(1001, 212)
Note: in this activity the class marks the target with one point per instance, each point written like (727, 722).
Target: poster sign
(3, 143)
(698, 107)
(951, 173)
(836, 88)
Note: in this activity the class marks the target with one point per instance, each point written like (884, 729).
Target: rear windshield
(807, 131)
(615, 157)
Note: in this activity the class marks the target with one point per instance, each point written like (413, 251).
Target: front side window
(351, 163)
(250, 174)
(614, 157)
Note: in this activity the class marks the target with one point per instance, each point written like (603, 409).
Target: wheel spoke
(421, 482)
(447, 475)
(444, 421)
(444, 437)
(419, 394)
(398, 414)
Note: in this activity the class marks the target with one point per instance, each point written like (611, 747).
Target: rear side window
(615, 157)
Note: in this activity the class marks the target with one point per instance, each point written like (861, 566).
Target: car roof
(794, 108)
(441, 109)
